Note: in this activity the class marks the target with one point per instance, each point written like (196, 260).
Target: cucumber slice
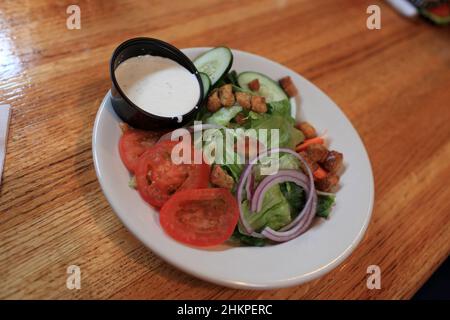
(215, 63)
(206, 83)
(268, 88)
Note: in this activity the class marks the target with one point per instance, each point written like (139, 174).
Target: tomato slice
(200, 217)
(442, 11)
(158, 178)
(133, 144)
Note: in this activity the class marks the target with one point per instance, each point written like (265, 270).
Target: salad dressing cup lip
(127, 110)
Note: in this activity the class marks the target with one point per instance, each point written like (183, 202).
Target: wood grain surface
(393, 84)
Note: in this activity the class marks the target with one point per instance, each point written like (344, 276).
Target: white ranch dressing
(158, 85)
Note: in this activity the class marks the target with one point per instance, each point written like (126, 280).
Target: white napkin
(5, 112)
(404, 7)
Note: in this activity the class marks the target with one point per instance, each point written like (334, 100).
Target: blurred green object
(441, 16)
(437, 11)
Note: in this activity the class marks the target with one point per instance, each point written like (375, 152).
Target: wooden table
(392, 83)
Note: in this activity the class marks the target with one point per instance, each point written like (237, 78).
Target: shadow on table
(438, 286)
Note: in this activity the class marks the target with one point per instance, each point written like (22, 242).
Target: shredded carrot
(302, 146)
(320, 173)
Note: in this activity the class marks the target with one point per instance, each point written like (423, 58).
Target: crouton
(214, 101)
(333, 161)
(226, 95)
(254, 85)
(220, 178)
(124, 127)
(288, 86)
(259, 104)
(243, 99)
(328, 183)
(311, 163)
(307, 129)
(317, 152)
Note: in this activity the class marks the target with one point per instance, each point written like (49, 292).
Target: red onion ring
(282, 176)
(250, 186)
(301, 227)
(301, 223)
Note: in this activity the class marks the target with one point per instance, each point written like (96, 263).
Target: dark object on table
(437, 11)
(124, 107)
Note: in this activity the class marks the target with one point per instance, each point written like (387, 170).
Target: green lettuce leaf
(275, 212)
(230, 77)
(289, 136)
(211, 140)
(286, 161)
(325, 205)
(295, 196)
(282, 108)
(132, 182)
(240, 238)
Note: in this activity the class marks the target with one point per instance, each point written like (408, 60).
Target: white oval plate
(309, 256)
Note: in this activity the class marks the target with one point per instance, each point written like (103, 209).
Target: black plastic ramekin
(124, 107)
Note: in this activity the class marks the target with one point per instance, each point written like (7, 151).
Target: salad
(243, 201)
